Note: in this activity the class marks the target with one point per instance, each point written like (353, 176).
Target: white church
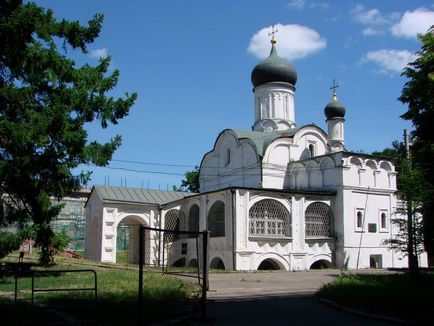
(281, 196)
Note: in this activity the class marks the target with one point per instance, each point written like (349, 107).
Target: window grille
(318, 217)
(175, 220)
(216, 219)
(269, 218)
(193, 219)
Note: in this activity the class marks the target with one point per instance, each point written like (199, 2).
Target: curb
(365, 314)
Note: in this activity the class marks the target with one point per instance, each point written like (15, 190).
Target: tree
(418, 94)
(46, 102)
(413, 191)
(191, 181)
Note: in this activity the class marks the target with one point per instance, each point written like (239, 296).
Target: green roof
(113, 194)
(263, 139)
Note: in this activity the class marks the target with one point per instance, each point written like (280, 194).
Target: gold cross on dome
(273, 32)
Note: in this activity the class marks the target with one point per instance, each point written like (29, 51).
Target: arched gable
(385, 165)
(278, 152)
(224, 164)
(310, 138)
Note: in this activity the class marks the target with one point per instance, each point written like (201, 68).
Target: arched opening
(179, 263)
(318, 220)
(193, 219)
(269, 218)
(311, 150)
(217, 263)
(192, 262)
(268, 265)
(174, 220)
(127, 240)
(216, 219)
(321, 264)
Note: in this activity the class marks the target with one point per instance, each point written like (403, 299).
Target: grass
(394, 295)
(164, 296)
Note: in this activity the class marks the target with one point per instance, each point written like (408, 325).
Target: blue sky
(190, 63)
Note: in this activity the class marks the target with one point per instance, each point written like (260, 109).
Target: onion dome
(273, 69)
(334, 109)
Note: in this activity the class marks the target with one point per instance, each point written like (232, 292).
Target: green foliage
(418, 94)
(46, 101)
(60, 240)
(396, 295)
(191, 181)
(8, 243)
(414, 191)
(165, 297)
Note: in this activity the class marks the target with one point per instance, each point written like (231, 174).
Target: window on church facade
(383, 220)
(359, 219)
(193, 219)
(270, 219)
(174, 220)
(216, 219)
(311, 150)
(318, 219)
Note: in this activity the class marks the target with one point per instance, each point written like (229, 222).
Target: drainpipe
(234, 225)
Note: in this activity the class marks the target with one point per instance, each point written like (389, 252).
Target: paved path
(274, 298)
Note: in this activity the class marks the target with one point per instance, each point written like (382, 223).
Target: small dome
(334, 109)
(273, 69)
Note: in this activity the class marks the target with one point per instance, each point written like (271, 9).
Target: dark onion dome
(273, 69)
(334, 109)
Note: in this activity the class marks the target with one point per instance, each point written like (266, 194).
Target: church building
(279, 196)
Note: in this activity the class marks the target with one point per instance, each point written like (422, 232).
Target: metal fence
(175, 252)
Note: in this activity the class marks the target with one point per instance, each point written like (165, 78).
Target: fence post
(141, 262)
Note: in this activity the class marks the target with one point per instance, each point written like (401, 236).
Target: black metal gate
(176, 252)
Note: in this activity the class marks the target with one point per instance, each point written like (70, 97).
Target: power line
(157, 164)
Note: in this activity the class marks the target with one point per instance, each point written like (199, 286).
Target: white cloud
(389, 60)
(373, 19)
(413, 22)
(321, 5)
(99, 53)
(369, 17)
(293, 42)
(369, 31)
(296, 4)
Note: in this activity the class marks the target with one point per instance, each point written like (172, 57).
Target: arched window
(175, 220)
(216, 220)
(311, 150)
(193, 219)
(269, 218)
(318, 218)
(359, 219)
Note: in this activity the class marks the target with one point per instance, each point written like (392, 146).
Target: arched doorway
(127, 241)
(217, 263)
(321, 264)
(192, 262)
(268, 265)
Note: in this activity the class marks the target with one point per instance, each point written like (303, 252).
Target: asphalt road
(274, 298)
